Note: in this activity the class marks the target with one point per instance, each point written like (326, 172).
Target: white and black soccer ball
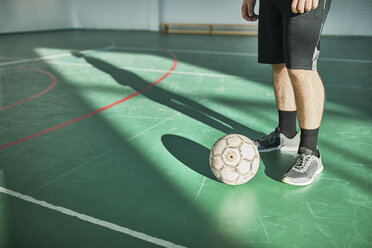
(234, 159)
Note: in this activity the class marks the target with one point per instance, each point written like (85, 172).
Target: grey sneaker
(305, 168)
(277, 141)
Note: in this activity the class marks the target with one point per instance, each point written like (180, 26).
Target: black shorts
(285, 37)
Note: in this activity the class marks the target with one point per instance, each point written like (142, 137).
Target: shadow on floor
(195, 156)
(190, 153)
(277, 163)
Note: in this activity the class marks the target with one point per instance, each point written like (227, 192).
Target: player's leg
(285, 100)
(284, 94)
(309, 92)
(309, 95)
(284, 137)
(301, 38)
(271, 51)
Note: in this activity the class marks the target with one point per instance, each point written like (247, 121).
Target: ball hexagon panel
(228, 175)
(231, 156)
(244, 168)
(249, 151)
(233, 140)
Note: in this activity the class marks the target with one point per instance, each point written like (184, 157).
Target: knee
(299, 75)
(304, 78)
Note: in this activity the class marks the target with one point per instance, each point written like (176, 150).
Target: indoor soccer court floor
(105, 137)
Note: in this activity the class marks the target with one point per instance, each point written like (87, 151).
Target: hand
(300, 6)
(248, 10)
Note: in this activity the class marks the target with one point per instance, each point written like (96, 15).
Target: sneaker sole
(283, 149)
(288, 181)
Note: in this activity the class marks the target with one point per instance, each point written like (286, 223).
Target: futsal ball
(234, 159)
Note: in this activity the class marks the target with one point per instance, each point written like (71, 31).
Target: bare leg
(285, 136)
(309, 96)
(284, 94)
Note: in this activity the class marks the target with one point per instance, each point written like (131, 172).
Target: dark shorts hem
(301, 67)
(298, 67)
(272, 62)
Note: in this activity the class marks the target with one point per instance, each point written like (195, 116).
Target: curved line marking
(175, 62)
(54, 83)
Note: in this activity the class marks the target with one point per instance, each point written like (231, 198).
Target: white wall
(205, 11)
(349, 17)
(32, 15)
(116, 14)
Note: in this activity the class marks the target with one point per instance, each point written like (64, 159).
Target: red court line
(54, 82)
(175, 61)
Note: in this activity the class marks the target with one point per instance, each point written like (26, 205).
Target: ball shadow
(277, 163)
(190, 153)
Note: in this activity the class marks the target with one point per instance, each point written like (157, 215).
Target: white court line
(50, 57)
(187, 51)
(200, 189)
(36, 59)
(104, 153)
(11, 58)
(346, 60)
(238, 54)
(199, 74)
(90, 219)
(150, 70)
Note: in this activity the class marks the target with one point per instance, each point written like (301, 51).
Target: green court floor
(105, 137)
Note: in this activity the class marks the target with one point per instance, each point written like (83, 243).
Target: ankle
(287, 123)
(309, 139)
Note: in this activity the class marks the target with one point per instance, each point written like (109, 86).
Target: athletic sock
(309, 139)
(287, 123)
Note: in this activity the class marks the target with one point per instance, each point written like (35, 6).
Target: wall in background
(207, 11)
(116, 14)
(345, 18)
(32, 15)
(349, 18)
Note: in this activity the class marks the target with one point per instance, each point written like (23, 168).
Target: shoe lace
(270, 137)
(301, 161)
